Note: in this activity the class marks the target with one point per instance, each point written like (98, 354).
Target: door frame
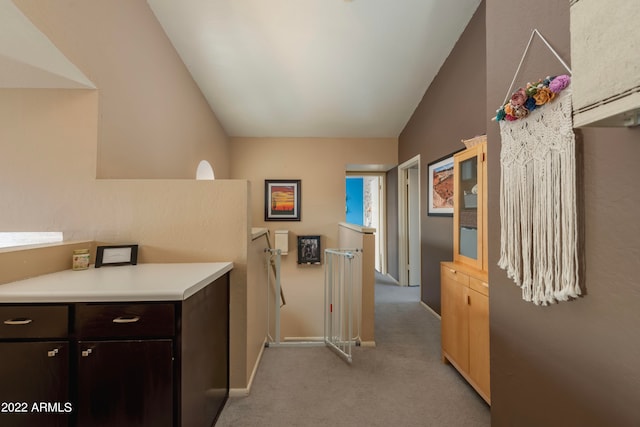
(381, 231)
(403, 221)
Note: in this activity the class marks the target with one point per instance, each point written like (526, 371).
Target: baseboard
(430, 310)
(319, 340)
(238, 392)
(243, 392)
(304, 339)
(391, 278)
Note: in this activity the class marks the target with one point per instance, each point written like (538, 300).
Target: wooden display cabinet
(465, 282)
(465, 324)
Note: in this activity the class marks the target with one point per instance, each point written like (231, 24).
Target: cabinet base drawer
(34, 321)
(455, 275)
(125, 320)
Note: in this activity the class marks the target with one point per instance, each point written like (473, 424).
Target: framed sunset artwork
(282, 200)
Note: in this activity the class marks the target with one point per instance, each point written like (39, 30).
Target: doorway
(409, 241)
(364, 206)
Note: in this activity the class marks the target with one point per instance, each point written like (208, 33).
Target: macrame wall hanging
(538, 212)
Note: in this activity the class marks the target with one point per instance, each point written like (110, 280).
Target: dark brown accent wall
(575, 363)
(453, 109)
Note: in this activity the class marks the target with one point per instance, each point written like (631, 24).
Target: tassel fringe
(539, 231)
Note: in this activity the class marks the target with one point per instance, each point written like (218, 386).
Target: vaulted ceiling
(317, 68)
(287, 68)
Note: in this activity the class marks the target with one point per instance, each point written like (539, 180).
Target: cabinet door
(484, 204)
(125, 383)
(479, 342)
(34, 373)
(468, 220)
(204, 373)
(455, 320)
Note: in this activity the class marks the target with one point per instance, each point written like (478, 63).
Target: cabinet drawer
(479, 286)
(34, 321)
(455, 275)
(125, 320)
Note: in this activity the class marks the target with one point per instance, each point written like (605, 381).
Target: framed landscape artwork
(282, 200)
(440, 187)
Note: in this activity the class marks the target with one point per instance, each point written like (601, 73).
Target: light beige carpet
(402, 382)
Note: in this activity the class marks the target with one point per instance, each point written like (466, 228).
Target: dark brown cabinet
(125, 383)
(34, 389)
(34, 366)
(125, 364)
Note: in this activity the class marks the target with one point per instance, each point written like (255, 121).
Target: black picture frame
(309, 250)
(116, 255)
(440, 197)
(282, 199)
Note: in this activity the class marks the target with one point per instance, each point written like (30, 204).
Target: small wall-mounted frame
(282, 200)
(440, 187)
(116, 255)
(309, 250)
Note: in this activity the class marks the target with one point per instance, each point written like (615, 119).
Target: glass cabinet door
(467, 206)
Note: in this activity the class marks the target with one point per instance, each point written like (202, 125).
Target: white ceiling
(313, 68)
(281, 68)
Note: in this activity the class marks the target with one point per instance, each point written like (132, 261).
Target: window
(204, 171)
(22, 238)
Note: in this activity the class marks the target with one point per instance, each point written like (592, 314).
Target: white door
(409, 257)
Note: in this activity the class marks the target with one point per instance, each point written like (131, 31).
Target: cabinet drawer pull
(18, 321)
(87, 352)
(52, 353)
(452, 271)
(124, 319)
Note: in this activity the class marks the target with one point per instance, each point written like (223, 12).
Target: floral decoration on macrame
(533, 96)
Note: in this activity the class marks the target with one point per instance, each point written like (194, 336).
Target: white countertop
(142, 282)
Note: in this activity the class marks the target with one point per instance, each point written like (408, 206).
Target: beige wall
(352, 238)
(257, 294)
(48, 161)
(22, 263)
(320, 164)
(47, 182)
(153, 122)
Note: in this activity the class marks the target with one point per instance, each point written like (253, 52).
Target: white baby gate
(342, 299)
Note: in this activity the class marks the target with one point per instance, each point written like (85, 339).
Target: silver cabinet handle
(19, 321)
(87, 352)
(52, 353)
(123, 319)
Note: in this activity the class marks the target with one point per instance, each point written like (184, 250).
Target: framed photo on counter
(116, 255)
